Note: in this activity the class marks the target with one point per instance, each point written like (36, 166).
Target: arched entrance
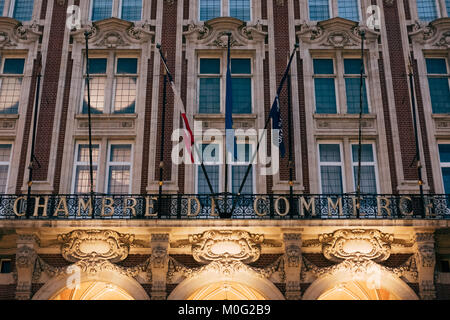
(104, 285)
(226, 290)
(343, 285)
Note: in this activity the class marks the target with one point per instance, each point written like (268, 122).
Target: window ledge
(221, 116)
(9, 116)
(343, 116)
(107, 116)
(440, 116)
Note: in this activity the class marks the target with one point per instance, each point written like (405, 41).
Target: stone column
(292, 264)
(159, 262)
(26, 255)
(426, 260)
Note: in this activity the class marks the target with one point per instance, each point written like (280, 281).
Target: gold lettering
(84, 205)
(149, 204)
(386, 205)
(334, 205)
(286, 211)
(21, 214)
(38, 205)
(213, 207)
(400, 204)
(311, 205)
(106, 205)
(126, 206)
(428, 211)
(189, 213)
(64, 209)
(255, 206)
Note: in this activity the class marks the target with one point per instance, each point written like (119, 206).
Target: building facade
(296, 230)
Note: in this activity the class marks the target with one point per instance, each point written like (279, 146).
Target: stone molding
(433, 35)
(13, 33)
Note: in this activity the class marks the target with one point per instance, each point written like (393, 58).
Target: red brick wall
(55, 260)
(50, 90)
(296, 9)
(154, 8)
(407, 9)
(43, 9)
(264, 9)
(186, 9)
(401, 93)
(147, 127)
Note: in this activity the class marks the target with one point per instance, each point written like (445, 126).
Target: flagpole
(361, 79)
(291, 173)
(163, 123)
(33, 139)
(91, 173)
(226, 133)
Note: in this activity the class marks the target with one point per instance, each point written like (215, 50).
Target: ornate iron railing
(196, 206)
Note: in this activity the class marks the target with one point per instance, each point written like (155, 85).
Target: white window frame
(441, 10)
(77, 163)
(110, 163)
(242, 163)
(333, 9)
(436, 75)
(21, 75)
(442, 164)
(121, 10)
(365, 77)
(111, 76)
(9, 6)
(326, 163)
(209, 75)
(206, 163)
(225, 7)
(116, 10)
(365, 163)
(334, 76)
(8, 163)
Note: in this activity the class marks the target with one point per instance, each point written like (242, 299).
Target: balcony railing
(201, 206)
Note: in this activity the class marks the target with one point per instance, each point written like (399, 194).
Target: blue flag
(275, 113)
(229, 132)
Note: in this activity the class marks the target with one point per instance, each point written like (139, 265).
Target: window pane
(436, 66)
(331, 179)
(101, 9)
(243, 152)
(447, 4)
(209, 95)
(120, 153)
(242, 95)
(13, 66)
(366, 153)
(446, 179)
(2, 6)
(126, 65)
(97, 66)
(426, 9)
(210, 66)
(241, 66)
(125, 98)
(210, 152)
(352, 88)
(82, 179)
(5, 152)
(213, 175)
(444, 152)
(10, 95)
(131, 10)
(6, 266)
(97, 86)
(440, 95)
(348, 9)
(238, 173)
(323, 66)
(23, 10)
(330, 153)
(318, 10)
(83, 153)
(119, 179)
(240, 9)
(325, 95)
(352, 66)
(3, 178)
(368, 180)
(209, 9)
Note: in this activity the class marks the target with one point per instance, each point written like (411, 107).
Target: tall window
(2, 8)
(368, 163)
(112, 90)
(22, 9)
(444, 157)
(426, 10)
(438, 81)
(82, 170)
(5, 159)
(209, 9)
(130, 10)
(447, 5)
(352, 69)
(119, 169)
(239, 167)
(330, 166)
(325, 9)
(211, 159)
(324, 84)
(210, 74)
(11, 84)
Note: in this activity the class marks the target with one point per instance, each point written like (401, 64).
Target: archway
(243, 285)
(104, 285)
(343, 285)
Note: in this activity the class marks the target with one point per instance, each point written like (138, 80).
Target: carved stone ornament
(293, 254)
(214, 33)
(426, 255)
(14, 33)
(104, 244)
(389, 3)
(228, 244)
(432, 35)
(114, 33)
(336, 32)
(25, 257)
(356, 244)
